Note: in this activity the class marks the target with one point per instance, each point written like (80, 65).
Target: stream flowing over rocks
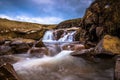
(86, 48)
(61, 65)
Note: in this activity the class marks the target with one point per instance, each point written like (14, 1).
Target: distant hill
(15, 29)
(70, 23)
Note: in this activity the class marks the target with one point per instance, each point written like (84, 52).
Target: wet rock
(54, 49)
(75, 47)
(117, 69)
(38, 52)
(19, 46)
(2, 40)
(7, 72)
(5, 50)
(77, 34)
(109, 45)
(86, 54)
(39, 44)
(30, 42)
(9, 59)
(83, 53)
(59, 33)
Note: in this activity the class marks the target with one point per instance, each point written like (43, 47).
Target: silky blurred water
(63, 66)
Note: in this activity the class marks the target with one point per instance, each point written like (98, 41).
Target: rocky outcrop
(7, 72)
(19, 47)
(102, 17)
(69, 23)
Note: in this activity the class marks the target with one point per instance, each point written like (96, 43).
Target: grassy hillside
(69, 23)
(16, 29)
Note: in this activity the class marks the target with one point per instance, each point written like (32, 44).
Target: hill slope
(16, 29)
(69, 23)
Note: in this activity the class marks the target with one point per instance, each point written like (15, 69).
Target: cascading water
(66, 37)
(48, 36)
(69, 37)
(63, 67)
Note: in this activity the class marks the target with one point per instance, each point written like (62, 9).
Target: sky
(43, 11)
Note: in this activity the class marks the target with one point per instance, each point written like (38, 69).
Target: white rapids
(62, 67)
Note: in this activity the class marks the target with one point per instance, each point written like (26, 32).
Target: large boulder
(108, 45)
(7, 72)
(19, 46)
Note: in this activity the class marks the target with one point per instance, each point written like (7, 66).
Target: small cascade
(48, 36)
(69, 37)
(66, 36)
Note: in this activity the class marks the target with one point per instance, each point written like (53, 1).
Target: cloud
(41, 20)
(43, 1)
(5, 16)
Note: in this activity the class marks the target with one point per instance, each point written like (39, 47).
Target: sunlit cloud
(41, 20)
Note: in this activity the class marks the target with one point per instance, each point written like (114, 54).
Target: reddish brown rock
(7, 72)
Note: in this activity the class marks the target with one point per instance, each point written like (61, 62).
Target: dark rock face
(117, 69)
(7, 72)
(102, 17)
(19, 47)
(58, 34)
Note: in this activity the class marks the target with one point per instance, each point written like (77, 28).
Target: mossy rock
(108, 45)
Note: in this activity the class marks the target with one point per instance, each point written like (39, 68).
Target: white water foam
(61, 67)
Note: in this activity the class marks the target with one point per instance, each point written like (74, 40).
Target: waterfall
(69, 37)
(48, 36)
(65, 37)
